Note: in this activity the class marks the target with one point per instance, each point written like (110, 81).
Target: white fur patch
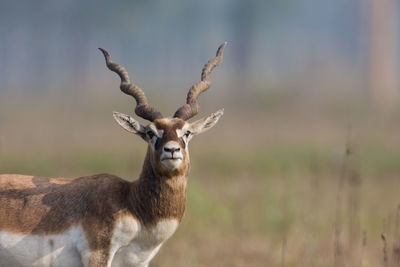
(132, 245)
(19, 250)
(144, 245)
(171, 160)
(181, 132)
(172, 163)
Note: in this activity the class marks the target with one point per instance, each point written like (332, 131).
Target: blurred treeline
(295, 44)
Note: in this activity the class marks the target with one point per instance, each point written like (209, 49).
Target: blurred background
(303, 168)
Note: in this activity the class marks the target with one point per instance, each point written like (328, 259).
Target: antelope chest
(134, 244)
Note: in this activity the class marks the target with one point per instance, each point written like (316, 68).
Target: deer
(102, 219)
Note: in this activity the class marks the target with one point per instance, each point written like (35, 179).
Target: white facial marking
(181, 132)
(171, 156)
(185, 133)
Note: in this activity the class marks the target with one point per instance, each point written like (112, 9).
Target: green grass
(263, 182)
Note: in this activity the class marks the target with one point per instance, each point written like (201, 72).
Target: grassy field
(270, 185)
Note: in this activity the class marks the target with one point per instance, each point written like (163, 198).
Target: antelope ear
(206, 123)
(129, 124)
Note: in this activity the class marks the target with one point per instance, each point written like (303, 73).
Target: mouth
(173, 159)
(172, 163)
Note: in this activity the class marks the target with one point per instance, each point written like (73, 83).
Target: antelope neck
(154, 197)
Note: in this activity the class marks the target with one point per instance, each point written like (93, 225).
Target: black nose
(172, 149)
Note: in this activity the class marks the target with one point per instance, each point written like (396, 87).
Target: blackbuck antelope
(103, 220)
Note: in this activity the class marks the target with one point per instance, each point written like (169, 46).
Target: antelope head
(167, 137)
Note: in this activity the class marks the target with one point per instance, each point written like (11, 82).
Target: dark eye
(187, 133)
(150, 134)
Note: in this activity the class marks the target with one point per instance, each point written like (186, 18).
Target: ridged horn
(142, 107)
(191, 108)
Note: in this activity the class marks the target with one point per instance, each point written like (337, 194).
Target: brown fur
(37, 205)
(169, 132)
(159, 197)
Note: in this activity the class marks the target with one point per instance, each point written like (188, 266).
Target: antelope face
(168, 138)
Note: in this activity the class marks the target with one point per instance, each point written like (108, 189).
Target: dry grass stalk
(385, 254)
(363, 247)
(283, 252)
(396, 243)
(338, 250)
(354, 181)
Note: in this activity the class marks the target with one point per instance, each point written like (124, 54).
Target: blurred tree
(250, 18)
(383, 69)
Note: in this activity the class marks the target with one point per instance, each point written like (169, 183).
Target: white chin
(171, 163)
